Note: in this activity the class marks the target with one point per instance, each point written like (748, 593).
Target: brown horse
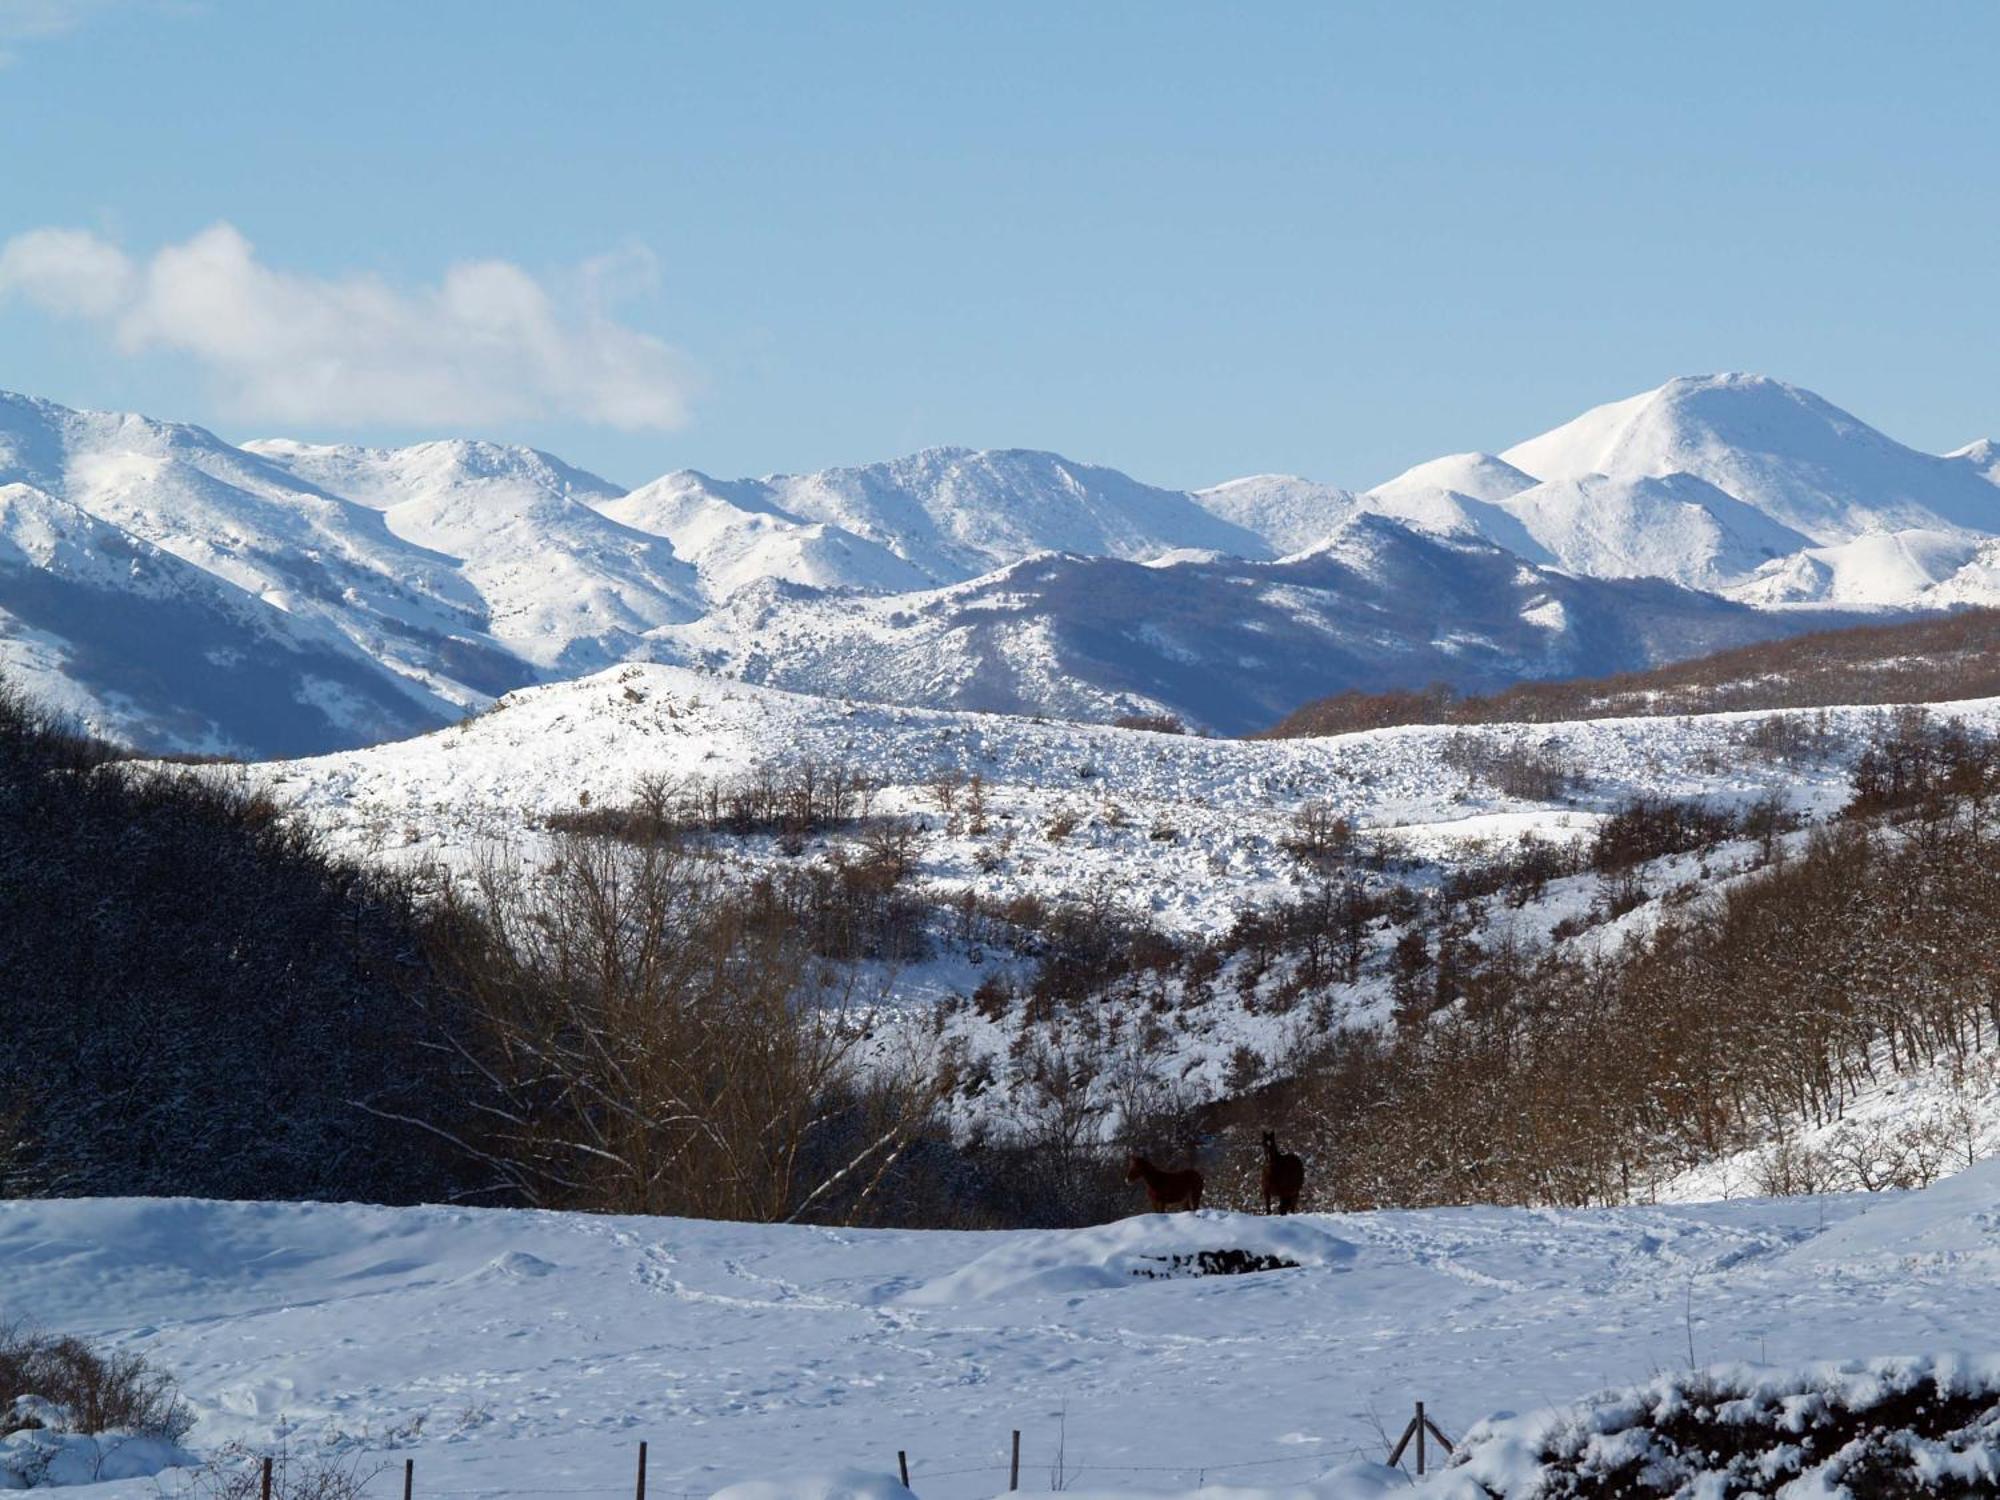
(1165, 1190)
(1284, 1176)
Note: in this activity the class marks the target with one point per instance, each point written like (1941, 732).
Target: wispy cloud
(489, 343)
(39, 20)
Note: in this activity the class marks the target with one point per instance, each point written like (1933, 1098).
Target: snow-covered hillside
(562, 586)
(735, 537)
(1183, 829)
(443, 574)
(525, 1353)
(127, 636)
(1224, 644)
(1179, 834)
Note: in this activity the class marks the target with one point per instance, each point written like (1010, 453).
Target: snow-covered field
(514, 1353)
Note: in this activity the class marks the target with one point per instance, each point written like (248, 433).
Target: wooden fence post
(1422, 1429)
(409, 1477)
(1014, 1472)
(266, 1487)
(642, 1472)
(903, 1463)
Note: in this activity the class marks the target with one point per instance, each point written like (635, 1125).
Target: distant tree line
(1941, 659)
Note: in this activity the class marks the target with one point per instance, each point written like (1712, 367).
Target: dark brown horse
(1165, 1190)
(1284, 1176)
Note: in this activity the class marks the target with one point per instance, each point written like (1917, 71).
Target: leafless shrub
(1531, 773)
(235, 1472)
(1319, 835)
(1151, 723)
(94, 1391)
(945, 787)
(653, 1046)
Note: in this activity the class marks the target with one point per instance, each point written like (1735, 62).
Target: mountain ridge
(444, 573)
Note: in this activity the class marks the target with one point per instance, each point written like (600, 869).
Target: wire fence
(1058, 1468)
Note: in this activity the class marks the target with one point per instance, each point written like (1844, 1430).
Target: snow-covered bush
(57, 1383)
(1867, 1430)
(71, 1414)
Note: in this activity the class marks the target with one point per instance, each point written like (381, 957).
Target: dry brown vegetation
(1555, 1078)
(651, 1043)
(87, 1390)
(1935, 660)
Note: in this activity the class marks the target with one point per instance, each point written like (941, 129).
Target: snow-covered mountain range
(180, 592)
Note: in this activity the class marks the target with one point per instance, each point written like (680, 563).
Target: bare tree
(649, 1048)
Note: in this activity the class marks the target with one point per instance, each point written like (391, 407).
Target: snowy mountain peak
(948, 514)
(1778, 448)
(427, 579)
(1290, 513)
(1476, 476)
(1982, 456)
(382, 477)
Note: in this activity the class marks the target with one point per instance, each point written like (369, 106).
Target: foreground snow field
(515, 1353)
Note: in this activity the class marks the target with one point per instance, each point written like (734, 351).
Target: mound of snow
(38, 1459)
(1132, 1252)
(1952, 1220)
(834, 1484)
(512, 1265)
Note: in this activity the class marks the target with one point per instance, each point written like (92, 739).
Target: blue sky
(1191, 241)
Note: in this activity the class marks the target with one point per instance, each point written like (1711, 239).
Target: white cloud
(67, 271)
(39, 20)
(489, 343)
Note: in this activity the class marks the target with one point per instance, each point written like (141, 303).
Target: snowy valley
(859, 853)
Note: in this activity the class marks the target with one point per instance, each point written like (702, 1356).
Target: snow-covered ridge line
(410, 584)
(1199, 824)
